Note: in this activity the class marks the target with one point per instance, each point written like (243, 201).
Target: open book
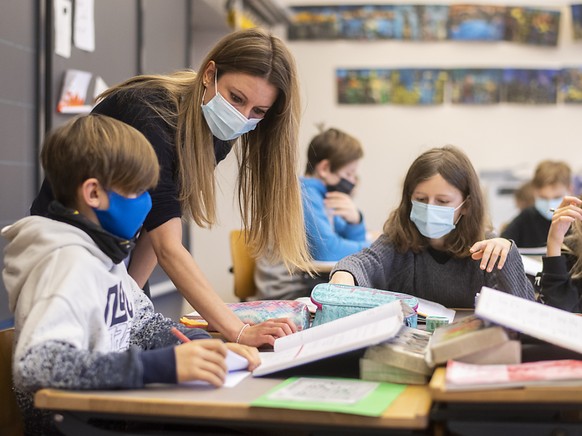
(547, 323)
(342, 335)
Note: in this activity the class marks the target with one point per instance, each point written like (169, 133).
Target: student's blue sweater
(330, 237)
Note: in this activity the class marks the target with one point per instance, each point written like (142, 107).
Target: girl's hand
(491, 251)
(267, 331)
(568, 212)
(202, 359)
(249, 353)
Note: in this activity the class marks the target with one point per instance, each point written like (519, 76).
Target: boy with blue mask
(81, 322)
(552, 181)
(428, 247)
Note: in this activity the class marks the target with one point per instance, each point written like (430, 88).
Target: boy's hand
(343, 278)
(568, 212)
(342, 205)
(491, 251)
(249, 353)
(267, 331)
(202, 359)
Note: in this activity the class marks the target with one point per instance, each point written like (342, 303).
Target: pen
(552, 209)
(181, 336)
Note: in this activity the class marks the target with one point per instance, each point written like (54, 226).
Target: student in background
(561, 281)
(524, 196)
(81, 322)
(429, 249)
(551, 182)
(334, 225)
(247, 96)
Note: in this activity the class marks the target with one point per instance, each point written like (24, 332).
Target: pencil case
(336, 301)
(255, 312)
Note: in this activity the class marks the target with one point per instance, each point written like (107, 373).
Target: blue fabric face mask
(224, 121)
(543, 206)
(433, 221)
(125, 215)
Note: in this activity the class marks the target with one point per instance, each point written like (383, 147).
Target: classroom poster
(529, 86)
(532, 26)
(475, 86)
(314, 22)
(63, 21)
(84, 28)
(577, 20)
(476, 23)
(363, 86)
(417, 86)
(571, 85)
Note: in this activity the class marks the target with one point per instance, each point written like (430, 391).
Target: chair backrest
(243, 266)
(10, 418)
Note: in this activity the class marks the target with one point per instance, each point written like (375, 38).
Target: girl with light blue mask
(437, 244)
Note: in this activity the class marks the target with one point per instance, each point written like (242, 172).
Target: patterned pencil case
(336, 301)
(255, 312)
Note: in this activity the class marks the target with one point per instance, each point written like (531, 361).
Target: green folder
(371, 404)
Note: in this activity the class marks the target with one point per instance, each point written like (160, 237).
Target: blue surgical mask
(433, 221)
(125, 216)
(224, 121)
(543, 206)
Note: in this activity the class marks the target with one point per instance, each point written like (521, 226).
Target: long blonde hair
(268, 187)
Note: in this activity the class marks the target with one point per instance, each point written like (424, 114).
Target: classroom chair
(243, 266)
(11, 423)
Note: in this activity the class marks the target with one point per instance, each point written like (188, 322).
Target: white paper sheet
(84, 26)
(63, 11)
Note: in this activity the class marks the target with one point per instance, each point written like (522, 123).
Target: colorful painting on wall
(577, 20)
(419, 86)
(529, 86)
(571, 85)
(363, 86)
(532, 26)
(475, 86)
(476, 23)
(314, 22)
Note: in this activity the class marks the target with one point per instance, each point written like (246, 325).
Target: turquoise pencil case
(336, 301)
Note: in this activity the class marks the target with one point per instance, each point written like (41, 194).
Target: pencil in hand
(181, 336)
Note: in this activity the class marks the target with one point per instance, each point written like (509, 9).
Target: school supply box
(335, 301)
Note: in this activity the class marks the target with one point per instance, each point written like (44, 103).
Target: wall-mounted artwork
(419, 86)
(363, 86)
(367, 22)
(475, 86)
(577, 20)
(532, 26)
(314, 22)
(476, 23)
(571, 85)
(422, 86)
(529, 86)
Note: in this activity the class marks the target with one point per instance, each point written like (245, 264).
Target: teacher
(246, 94)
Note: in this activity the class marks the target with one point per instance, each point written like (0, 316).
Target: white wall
(503, 136)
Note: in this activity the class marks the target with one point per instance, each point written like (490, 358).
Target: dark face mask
(344, 185)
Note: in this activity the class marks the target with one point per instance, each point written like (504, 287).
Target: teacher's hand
(267, 331)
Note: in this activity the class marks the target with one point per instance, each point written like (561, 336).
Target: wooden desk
(227, 407)
(531, 410)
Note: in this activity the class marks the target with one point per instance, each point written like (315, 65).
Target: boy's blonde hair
(116, 154)
(456, 168)
(549, 172)
(338, 147)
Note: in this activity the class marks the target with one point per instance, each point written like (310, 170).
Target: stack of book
(399, 360)
(411, 356)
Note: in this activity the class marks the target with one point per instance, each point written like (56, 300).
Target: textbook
(467, 336)
(373, 370)
(465, 376)
(339, 336)
(407, 350)
(543, 322)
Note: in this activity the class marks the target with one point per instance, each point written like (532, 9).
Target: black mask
(344, 185)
